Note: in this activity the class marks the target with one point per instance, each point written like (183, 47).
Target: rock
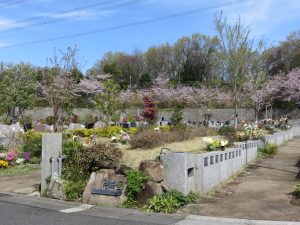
(56, 188)
(122, 168)
(151, 189)
(153, 169)
(99, 124)
(74, 126)
(15, 127)
(7, 135)
(88, 189)
(165, 187)
(97, 181)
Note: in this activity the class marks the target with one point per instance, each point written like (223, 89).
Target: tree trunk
(235, 115)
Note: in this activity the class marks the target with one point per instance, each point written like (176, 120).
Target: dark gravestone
(89, 125)
(126, 125)
(133, 124)
(27, 127)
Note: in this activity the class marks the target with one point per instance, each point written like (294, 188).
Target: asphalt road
(14, 214)
(15, 210)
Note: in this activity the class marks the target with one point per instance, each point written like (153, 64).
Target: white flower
(2, 155)
(207, 140)
(224, 143)
(20, 161)
(156, 128)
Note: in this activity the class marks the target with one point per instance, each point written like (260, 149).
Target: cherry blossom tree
(57, 86)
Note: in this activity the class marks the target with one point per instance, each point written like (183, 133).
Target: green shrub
(2, 148)
(170, 201)
(83, 132)
(71, 166)
(32, 142)
(228, 132)
(108, 132)
(182, 199)
(268, 149)
(167, 204)
(98, 156)
(74, 190)
(177, 115)
(35, 160)
(135, 183)
(131, 130)
(297, 190)
(165, 128)
(147, 139)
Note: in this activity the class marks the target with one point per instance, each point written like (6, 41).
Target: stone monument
(51, 150)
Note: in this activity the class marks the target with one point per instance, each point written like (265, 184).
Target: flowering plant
(249, 132)
(3, 164)
(10, 156)
(2, 155)
(26, 156)
(20, 161)
(213, 145)
(122, 137)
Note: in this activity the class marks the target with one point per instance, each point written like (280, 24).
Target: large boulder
(7, 135)
(153, 169)
(122, 169)
(16, 128)
(151, 189)
(104, 180)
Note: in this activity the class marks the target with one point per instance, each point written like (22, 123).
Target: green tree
(17, 89)
(108, 101)
(238, 55)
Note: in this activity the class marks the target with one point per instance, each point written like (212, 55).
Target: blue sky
(20, 22)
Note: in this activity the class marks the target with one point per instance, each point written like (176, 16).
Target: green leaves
(135, 183)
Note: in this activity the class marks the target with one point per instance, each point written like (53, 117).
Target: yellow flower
(3, 164)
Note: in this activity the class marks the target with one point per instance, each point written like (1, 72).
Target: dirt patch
(260, 192)
(14, 182)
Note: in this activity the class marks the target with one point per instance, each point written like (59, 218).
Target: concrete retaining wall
(188, 172)
(195, 115)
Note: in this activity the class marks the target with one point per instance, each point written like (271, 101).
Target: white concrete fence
(188, 172)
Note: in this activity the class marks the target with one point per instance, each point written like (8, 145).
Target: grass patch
(19, 170)
(133, 157)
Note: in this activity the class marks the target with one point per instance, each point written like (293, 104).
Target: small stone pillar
(52, 148)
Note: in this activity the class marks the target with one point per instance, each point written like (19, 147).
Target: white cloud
(4, 44)
(265, 16)
(6, 24)
(178, 3)
(79, 14)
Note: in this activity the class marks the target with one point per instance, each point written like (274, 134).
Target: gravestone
(105, 188)
(6, 135)
(40, 128)
(99, 124)
(51, 148)
(74, 126)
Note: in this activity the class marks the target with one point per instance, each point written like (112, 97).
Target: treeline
(191, 60)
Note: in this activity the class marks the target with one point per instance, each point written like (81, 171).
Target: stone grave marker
(51, 148)
(40, 128)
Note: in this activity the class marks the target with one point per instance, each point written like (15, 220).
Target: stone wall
(188, 172)
(194, 115)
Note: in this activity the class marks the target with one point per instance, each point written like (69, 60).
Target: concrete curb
(205, 220)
